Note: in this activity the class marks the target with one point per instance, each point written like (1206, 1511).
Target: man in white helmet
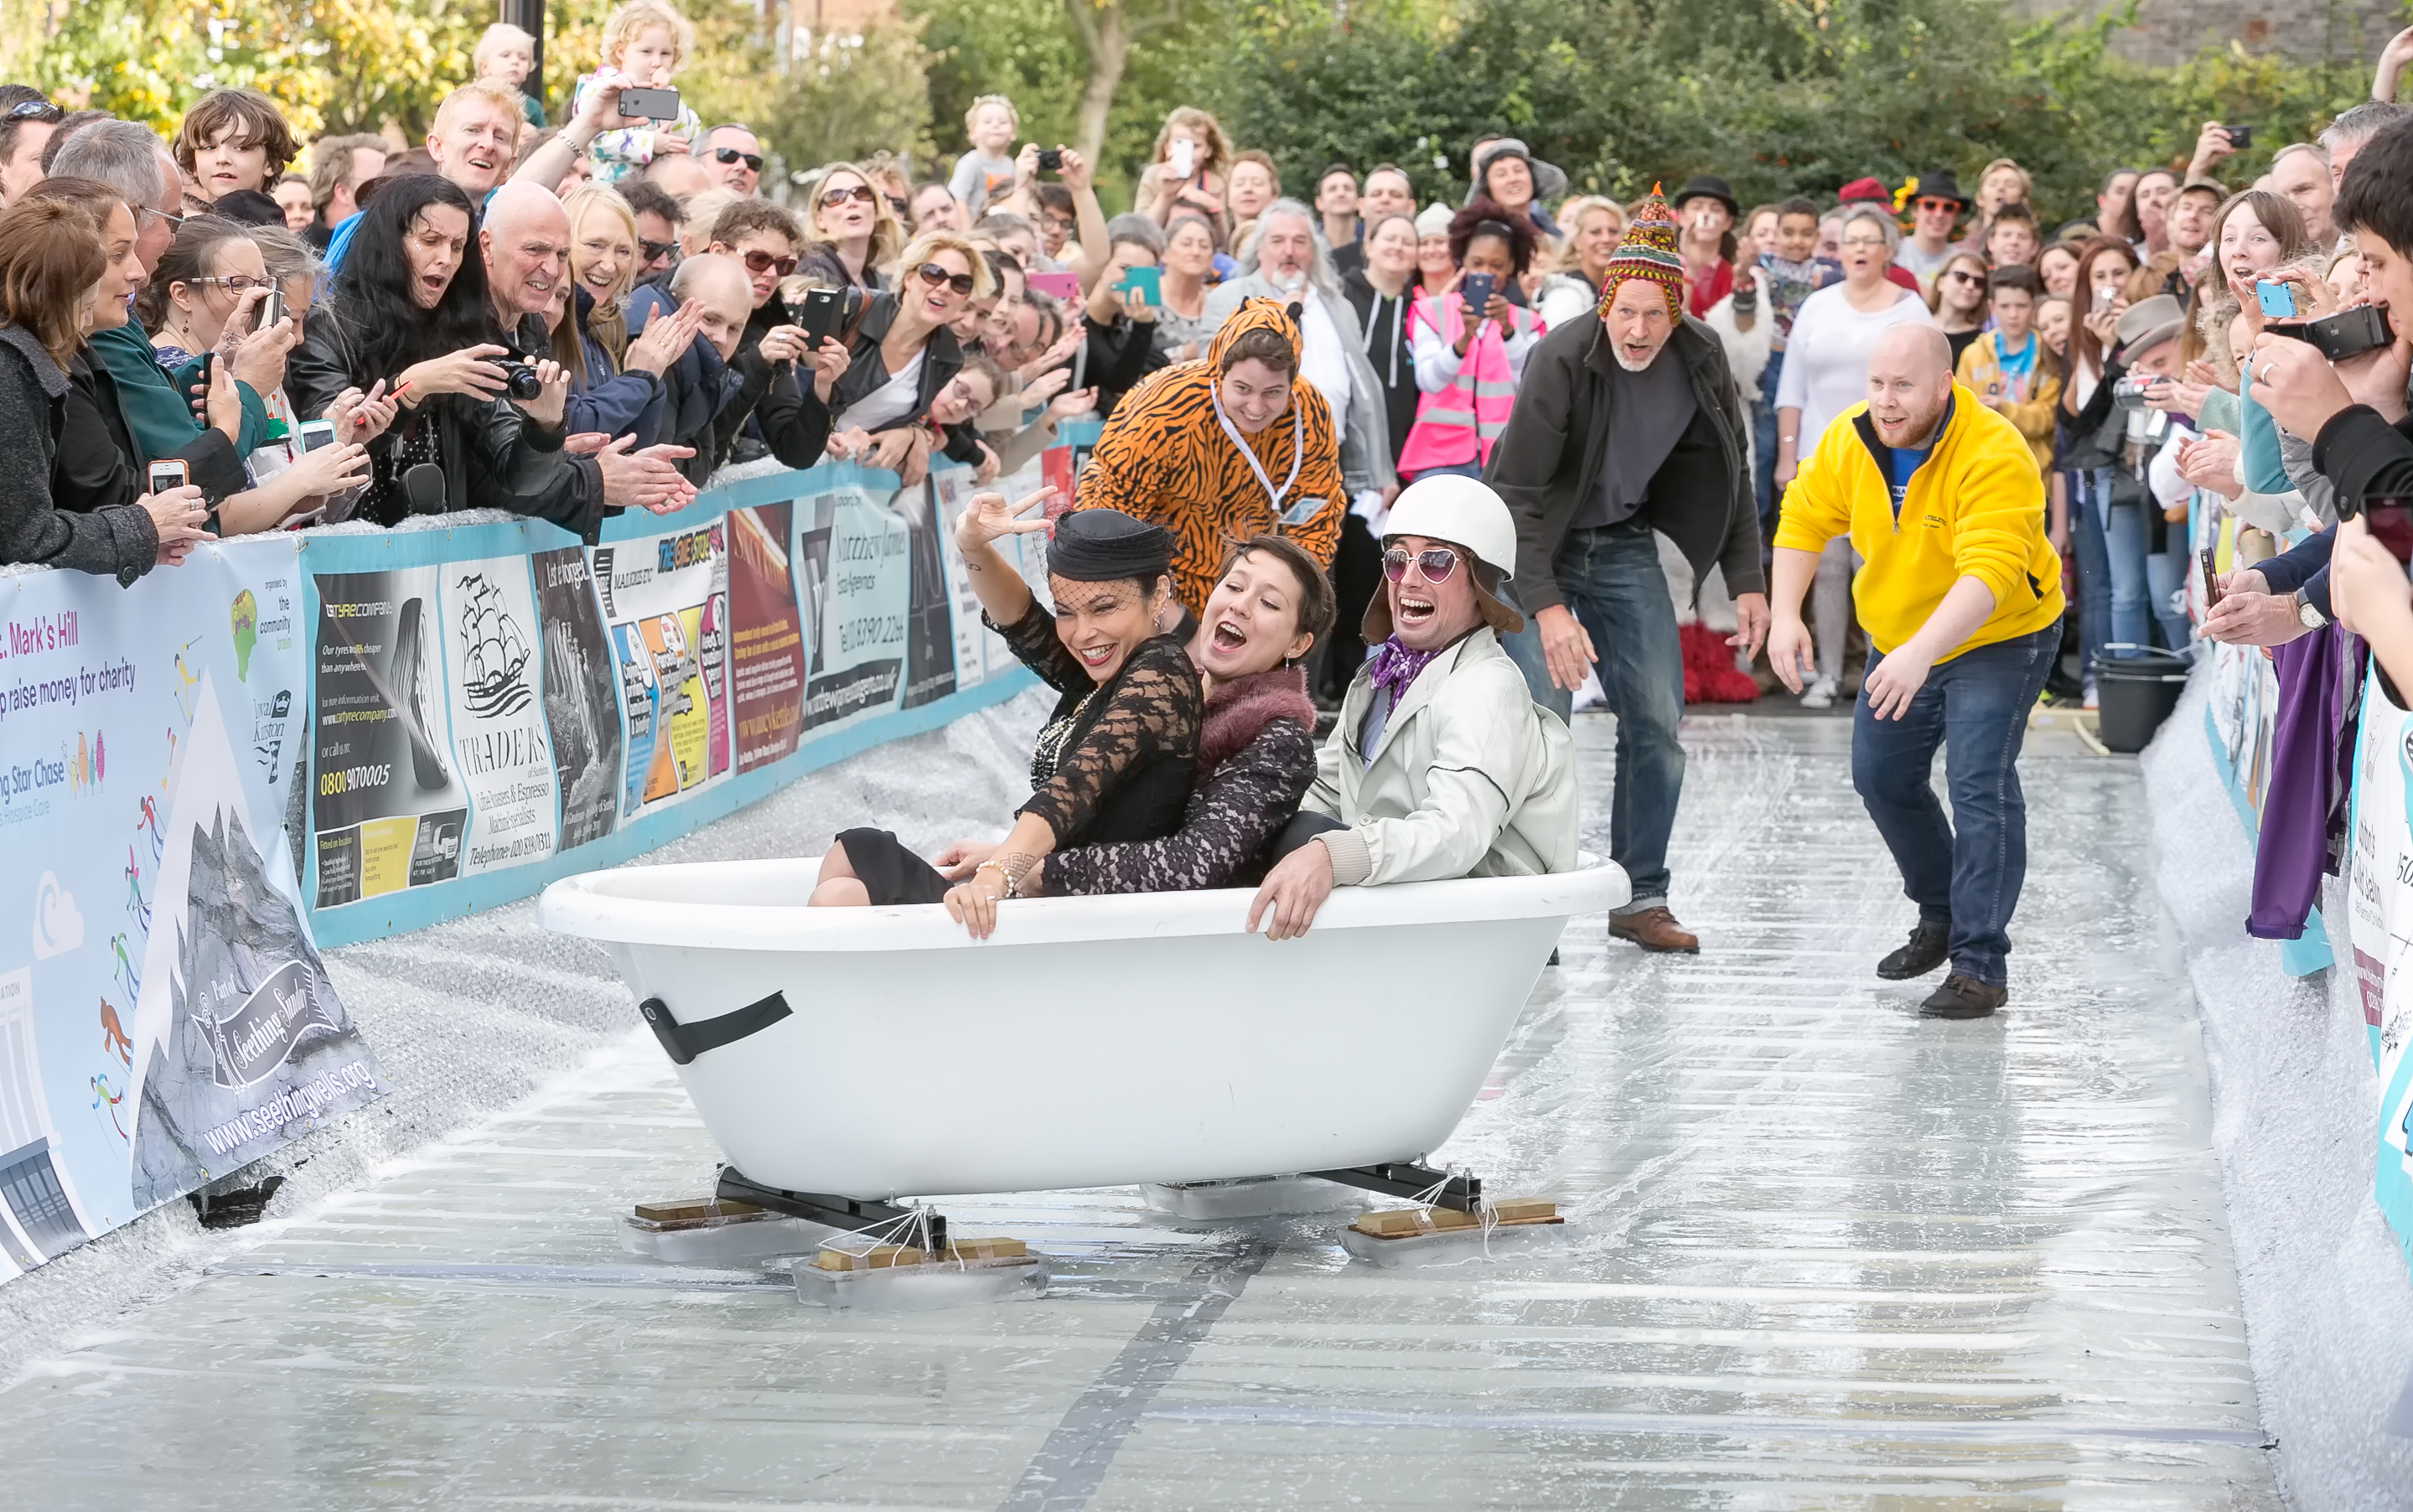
(1442, 764)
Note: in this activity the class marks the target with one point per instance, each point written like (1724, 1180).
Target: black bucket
(2135, 694)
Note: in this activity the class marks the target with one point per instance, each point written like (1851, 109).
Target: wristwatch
(2307, 614)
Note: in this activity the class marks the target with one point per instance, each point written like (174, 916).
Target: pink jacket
(1459, 424)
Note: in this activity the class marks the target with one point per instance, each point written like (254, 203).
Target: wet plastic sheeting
(1826, 1254)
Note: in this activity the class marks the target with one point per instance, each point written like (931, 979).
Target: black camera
(2349, 333)
(1051, 160)
(520, 380)
(2239, 137)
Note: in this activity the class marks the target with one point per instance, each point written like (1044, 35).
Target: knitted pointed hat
(1648, 251)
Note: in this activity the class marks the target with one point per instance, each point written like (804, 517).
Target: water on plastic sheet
(1823, 1254)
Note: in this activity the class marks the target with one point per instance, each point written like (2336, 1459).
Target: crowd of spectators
(567, 317)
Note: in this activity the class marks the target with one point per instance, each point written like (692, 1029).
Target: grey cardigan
(119, 541)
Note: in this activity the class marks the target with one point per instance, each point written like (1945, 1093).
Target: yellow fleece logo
(1933, 521)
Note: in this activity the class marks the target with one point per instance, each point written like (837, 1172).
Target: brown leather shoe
(1654, 929)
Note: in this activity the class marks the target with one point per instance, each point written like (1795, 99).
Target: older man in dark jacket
(1625, 426)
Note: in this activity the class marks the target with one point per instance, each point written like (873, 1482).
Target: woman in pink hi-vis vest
(1468, 364)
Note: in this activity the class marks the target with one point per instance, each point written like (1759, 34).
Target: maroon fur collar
(1238, 710)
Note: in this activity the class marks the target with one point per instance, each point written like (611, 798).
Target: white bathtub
(1090, 1042)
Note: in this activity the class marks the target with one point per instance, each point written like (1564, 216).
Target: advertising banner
(2380, 928)
(666, 616)
(298, 741)
(856, 570)
(493, 705)
(388, 806)
(164, 1015)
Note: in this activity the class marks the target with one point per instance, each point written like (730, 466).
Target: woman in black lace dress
(1257, 745)
(1113, 764)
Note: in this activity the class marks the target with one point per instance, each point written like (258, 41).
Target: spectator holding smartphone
(101, 461)
(50, 261)
(904, 353)
(2354, 412)
(644, 41)
(1185, 171)
(158, 416)
(1470, 345)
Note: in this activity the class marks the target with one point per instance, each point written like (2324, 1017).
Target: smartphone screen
(315, 434)
(166, 475)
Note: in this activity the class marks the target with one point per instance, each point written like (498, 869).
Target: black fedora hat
(1940, 185)
(1707, 186)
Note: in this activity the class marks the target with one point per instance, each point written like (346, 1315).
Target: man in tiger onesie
(1217, 450)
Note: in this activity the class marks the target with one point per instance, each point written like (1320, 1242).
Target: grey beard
(1616, 349)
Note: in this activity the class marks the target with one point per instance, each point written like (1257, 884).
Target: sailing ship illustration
(493, 651)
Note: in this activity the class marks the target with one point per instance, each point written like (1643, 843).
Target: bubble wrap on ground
(2328, 1304)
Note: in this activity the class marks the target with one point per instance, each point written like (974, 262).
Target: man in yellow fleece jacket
(1961, 595)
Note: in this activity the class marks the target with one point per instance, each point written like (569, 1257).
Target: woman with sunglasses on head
(1957, 299)
(1113, 763)
(855, 226)
(903, 354)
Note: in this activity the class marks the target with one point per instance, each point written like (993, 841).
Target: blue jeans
(2093, 571)
(1763, 440)
(2118, 530)
(1449, 470)
(1612, 582)
(1965, 874)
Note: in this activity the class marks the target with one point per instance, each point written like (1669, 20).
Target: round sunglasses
(931, 273)
(1435, 562)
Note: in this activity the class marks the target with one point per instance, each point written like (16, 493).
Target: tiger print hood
(1257, 314)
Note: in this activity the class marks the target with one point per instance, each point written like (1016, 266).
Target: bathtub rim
(624, 905)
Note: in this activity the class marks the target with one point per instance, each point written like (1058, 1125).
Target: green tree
(850, 96)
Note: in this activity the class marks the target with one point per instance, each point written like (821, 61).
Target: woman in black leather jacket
(409, 310)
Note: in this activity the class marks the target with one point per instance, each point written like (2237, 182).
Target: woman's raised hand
(990, 517)
(665, 339)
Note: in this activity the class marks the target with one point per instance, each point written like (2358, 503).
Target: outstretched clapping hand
(990, 518)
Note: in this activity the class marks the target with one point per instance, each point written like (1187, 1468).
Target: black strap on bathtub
(685, 1042)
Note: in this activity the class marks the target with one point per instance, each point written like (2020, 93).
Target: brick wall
(2168, 31)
